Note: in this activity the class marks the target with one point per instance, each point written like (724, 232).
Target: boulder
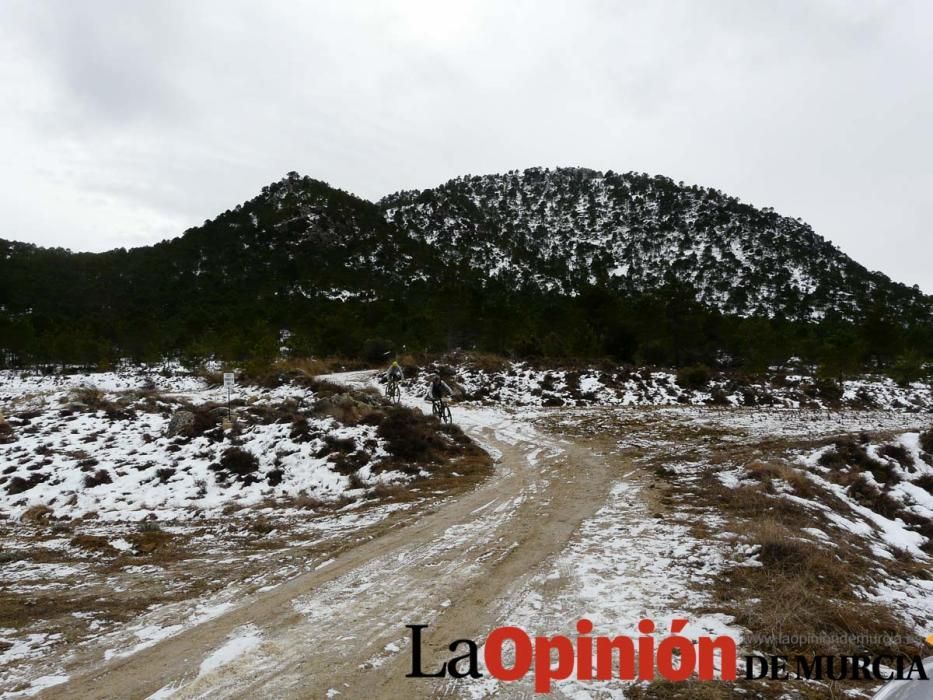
(343, 407)
(181, 423)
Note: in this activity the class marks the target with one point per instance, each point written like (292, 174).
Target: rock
(343, 407)
(182, 423)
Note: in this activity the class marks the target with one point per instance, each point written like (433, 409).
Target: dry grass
(261, 526)
(292, 369)
(305, 502)
(486, 362)
(899, 454)
(151, 541)
(91, 593)
(93, 399)
(870, 496)
(190, 567)
(802, 588)
(665, 690)
(751, 502)
(6, 431)
(349, 408)
(18, 612)
(771, 472)
(94, 543)
(452, 477)
(850, 456)
(310, 366)
(409, 364)
(37, 514)
(752, 690)
(463, 472)
(925, 482)
(396, 493)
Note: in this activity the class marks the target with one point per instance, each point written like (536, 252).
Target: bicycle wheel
(395, 394)
(446, 417)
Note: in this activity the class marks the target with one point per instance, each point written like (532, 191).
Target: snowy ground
(119, 603)
(520, 384)
(113, 459)
(857, 484)
(594, 511)
(131, 536)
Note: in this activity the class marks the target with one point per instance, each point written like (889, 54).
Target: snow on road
(614, 565)
(568, 527)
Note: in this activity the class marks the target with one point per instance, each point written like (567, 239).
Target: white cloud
(123, 123)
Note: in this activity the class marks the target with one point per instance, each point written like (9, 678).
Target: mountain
(288, 252)
(566, 262)
(299, 237)
(569, 228)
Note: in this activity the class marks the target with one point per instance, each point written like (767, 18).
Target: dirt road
(589, 513)
(340, 630)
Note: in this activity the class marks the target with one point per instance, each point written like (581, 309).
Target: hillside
(568, 228)
(263, 265)
(559, 263)
(298, 238)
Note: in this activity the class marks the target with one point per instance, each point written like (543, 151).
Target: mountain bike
(441, 411)
(393, 391)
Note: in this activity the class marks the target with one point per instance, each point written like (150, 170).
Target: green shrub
(696, 377)
(926, 441)
(829, 390)
(238, 461)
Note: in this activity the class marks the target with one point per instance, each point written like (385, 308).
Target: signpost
(228, 385)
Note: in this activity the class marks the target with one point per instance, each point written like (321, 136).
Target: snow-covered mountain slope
(563, 228)
(562, 263)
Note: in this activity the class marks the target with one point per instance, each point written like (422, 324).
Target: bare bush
(98, 478)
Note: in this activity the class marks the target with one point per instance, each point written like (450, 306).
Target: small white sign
(228, 380)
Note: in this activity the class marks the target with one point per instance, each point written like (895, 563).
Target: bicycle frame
(441, 409)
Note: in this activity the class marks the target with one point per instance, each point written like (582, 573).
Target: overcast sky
(123, 123)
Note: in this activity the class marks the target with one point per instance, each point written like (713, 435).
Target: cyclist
(438, 390)
(394, 375)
